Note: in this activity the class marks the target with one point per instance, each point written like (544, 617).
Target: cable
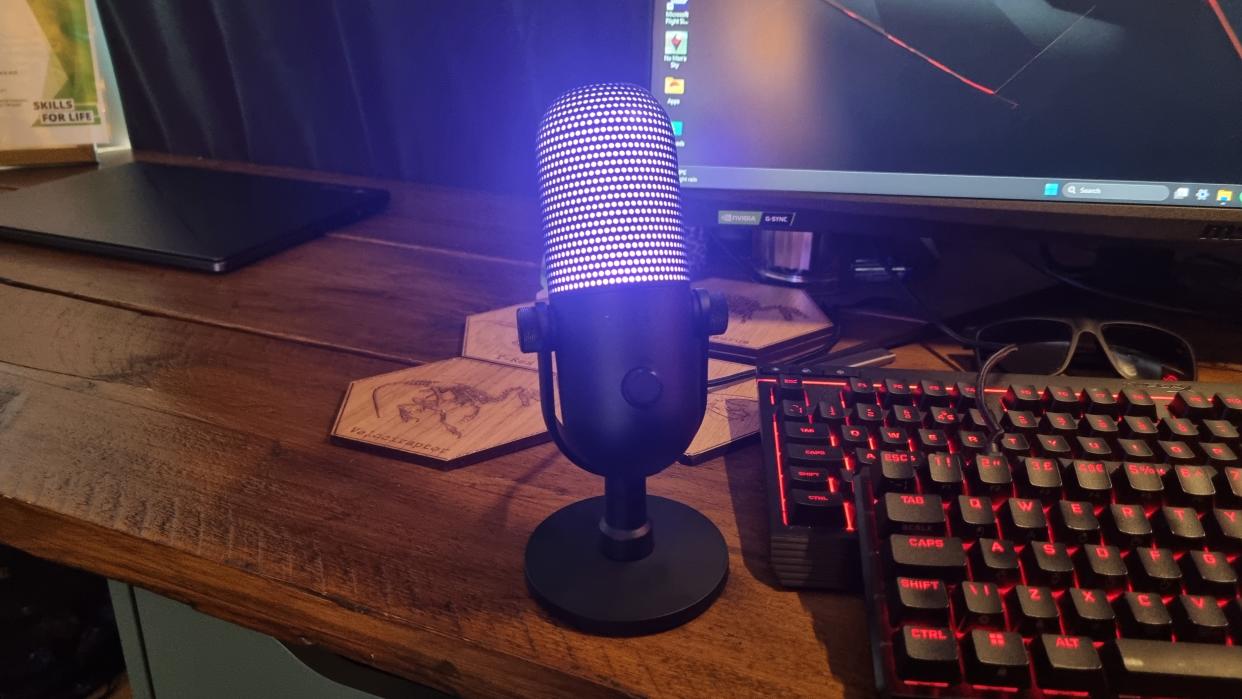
(981, 384)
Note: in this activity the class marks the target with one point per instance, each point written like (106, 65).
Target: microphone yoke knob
(641, 387)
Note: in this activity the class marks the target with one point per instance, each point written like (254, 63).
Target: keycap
(1023, 519)
(1093, 447)
(803, 432)
(943, 474)
(1224, 529)
(794, 409)
(896, 472)
(860, 390)
(1221, 431)
(1219, 455)
(1075, 522)
(1138, 427)
(1229, 406)
(926, 653)
(1033, 610)
(1089, 480)
(1101, 401)
(831, 411)
(1198, 618)
(1062, 399)
(1139, 483)
(1015, 444)
(1068, 662)
(906, 416)
(807, 478)
(1048, 564)
(932, 440)
(1192, 404)
(1209, 573)
(1230, 492)
(1136, 401)
(1178, 527)
(817, 509)
(1063, 424)
(1019, 421)
(1087, 612)
(910, 513)
(978, 605)
(934, 392)
(940, 558)
(791, 386)
(1175, 452)
(1191, 485)
(1101, 566)
(973, 517)
(853, 436)
(1052, 445)
(944, 419)
(1127, 526)
(1039, 478)
(967, 396)
(1178, 428)
(894, 438)
(995, 560)
(996, 658)
(867, 415)
(1102, 426)
(812, 455)
(1143, 615)
(1135, 450)
(897, 392)
(921, 601)
(1022, 397)
(866, 459)
(973, 420)
(1155, 570)
(972, 442)
(991, 475)
(1161, 668)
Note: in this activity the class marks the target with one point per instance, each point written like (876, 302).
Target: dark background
(1091, 89)
(441, 91)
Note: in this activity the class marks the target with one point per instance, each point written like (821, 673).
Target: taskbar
(962, 186)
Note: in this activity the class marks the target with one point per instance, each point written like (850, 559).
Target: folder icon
(674, 86)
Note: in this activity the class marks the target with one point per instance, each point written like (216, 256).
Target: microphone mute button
(641, 387)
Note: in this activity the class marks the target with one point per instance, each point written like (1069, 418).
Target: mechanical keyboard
(1092, 550)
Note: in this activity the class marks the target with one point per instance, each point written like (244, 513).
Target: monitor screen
(1089, 101)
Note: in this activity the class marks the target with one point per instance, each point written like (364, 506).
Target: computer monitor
(1100, 117)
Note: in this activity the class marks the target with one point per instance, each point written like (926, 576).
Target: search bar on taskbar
(1115, 191)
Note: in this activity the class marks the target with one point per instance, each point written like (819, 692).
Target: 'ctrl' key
(926, 653)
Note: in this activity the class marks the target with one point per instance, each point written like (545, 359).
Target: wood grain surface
(170, 429)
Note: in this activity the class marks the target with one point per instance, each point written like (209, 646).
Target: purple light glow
(609, 190)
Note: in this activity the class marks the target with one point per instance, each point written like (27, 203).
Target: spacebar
(1174, 669)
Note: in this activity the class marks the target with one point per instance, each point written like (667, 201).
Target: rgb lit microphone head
(630, 339)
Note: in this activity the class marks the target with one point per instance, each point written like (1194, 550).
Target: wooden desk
(169, 429)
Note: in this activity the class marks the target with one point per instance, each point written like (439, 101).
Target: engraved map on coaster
(447, 413)
(732, 416)
(763, 318)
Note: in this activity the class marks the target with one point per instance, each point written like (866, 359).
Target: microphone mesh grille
(609, 190)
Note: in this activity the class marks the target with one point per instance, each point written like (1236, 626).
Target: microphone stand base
(568, 574)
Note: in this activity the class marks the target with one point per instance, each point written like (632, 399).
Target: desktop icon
(675, 43)
(1181, 192)
(674, 86)
(1224, 195)
(1051, 189)
(1202, 195)
(676, 5)
(677, 127)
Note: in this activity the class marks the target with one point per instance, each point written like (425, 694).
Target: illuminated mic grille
(609, 190)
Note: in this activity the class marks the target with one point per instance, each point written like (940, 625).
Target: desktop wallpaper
(1111, 89)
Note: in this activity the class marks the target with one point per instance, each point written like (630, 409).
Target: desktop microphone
(630, 339)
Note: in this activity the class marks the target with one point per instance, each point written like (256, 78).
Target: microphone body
(630, 339)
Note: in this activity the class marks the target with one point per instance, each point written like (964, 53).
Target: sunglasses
(1051, 346)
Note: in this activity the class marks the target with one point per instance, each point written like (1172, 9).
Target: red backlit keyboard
(1094, 551)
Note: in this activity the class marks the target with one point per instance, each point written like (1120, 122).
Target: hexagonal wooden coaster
(731, 419)
(767, 323)
(447, 413)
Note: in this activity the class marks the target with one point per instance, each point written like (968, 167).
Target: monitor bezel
(926, 215)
